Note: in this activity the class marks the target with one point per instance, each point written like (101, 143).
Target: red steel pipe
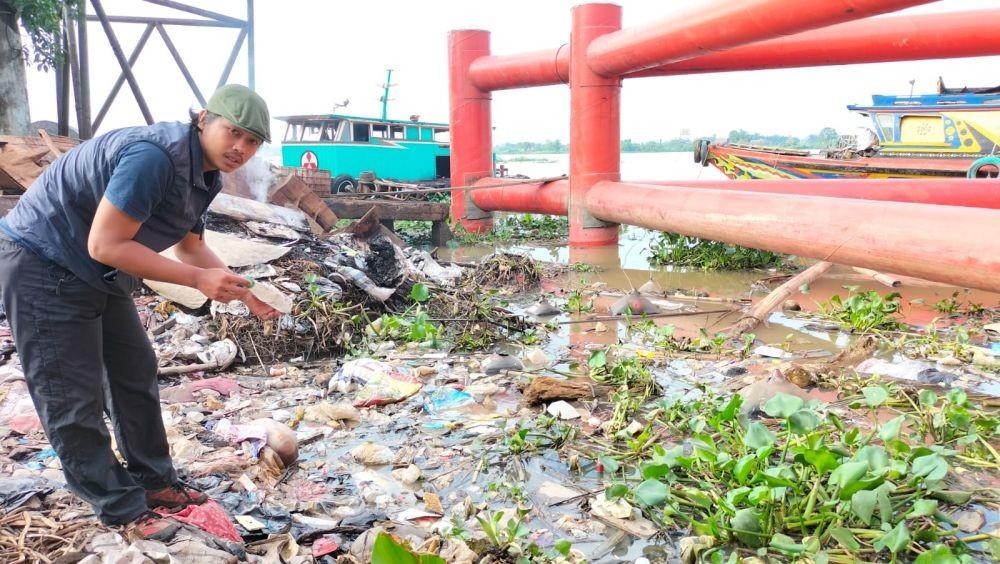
(535, 68)
(950, 244)
(471, 126)
(594, 124)
(897, 38)
(550, 198)
(979, 193)
(723, 25)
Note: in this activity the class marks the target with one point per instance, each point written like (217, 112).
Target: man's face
(226, 147)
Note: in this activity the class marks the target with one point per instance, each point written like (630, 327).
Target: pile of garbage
(336, 292)
(401, 410)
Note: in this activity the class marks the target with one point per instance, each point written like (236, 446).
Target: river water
(628, 266)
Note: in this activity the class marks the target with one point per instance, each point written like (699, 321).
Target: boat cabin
(952, 124)
(407, 151)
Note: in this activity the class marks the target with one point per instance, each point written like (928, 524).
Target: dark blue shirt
(153, 174)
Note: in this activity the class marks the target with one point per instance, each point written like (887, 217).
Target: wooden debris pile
(23, 158)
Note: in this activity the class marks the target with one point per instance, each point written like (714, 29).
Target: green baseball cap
(244, 108)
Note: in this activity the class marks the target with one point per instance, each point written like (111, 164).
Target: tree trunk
(14, 116)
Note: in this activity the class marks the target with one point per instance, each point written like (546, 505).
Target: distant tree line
(827, 137)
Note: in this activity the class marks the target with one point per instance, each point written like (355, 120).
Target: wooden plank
(350, 208)
(441, 233)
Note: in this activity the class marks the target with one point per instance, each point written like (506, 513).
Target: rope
(445, 190)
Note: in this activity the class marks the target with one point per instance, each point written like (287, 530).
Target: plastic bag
(382, 383)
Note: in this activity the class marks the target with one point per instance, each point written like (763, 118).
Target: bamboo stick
(884, 279)
(777, 296)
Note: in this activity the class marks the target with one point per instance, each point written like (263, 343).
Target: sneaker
(175, 497)
(150, 526)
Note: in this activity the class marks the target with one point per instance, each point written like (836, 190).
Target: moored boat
(345, 146)
(924, 136)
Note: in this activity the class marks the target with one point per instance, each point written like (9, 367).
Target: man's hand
(259, 308)
(221, 285)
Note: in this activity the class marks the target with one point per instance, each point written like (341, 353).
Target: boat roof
(881, 102)
(325, 117)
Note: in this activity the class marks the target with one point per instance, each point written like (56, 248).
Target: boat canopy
(929, 102)
(336, 128)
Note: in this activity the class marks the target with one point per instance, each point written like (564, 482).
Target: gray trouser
(72, 339)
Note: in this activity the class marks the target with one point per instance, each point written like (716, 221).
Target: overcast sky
(311, 54)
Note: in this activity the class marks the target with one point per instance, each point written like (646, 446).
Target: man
(72, 252)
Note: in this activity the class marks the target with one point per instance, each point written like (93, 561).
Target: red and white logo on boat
(309, 160)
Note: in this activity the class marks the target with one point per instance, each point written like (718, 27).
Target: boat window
(313, 131)
(291, 133)
(426, 134)
(343, 131)
(396, 131)
(887, 123)
(413, 133)
(921, 129)
(362, 132)
(380, 131)
(329, 133)
(442, 135)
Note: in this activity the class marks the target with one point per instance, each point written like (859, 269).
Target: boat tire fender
(704, 151)
(990, 161)
(697, 151)
(344, 183)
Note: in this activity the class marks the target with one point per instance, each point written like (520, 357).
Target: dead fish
(543, 309)
(499, 362)
(651, 288)
(635, 303)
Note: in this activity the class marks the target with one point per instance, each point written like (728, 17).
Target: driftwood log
(772, 301)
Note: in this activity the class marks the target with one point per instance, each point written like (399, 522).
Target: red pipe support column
(950, 244)
(595, 124)
(722, 25)
(471, 127)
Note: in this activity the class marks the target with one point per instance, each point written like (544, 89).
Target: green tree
(42, 20)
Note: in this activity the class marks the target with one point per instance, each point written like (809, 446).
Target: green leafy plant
(456, 529)
(576, 302)
(634, 381)
(420, 293)
(863, 312)
(682, 250)
(799, 485)
(387, 551)
(503, 535)
(518, 228)
(748, 340)
(949, 305)
(509, 491)
(43, 20)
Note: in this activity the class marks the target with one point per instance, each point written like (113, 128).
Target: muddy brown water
(619, 269)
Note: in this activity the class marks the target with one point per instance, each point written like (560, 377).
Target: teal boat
(399, 150)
